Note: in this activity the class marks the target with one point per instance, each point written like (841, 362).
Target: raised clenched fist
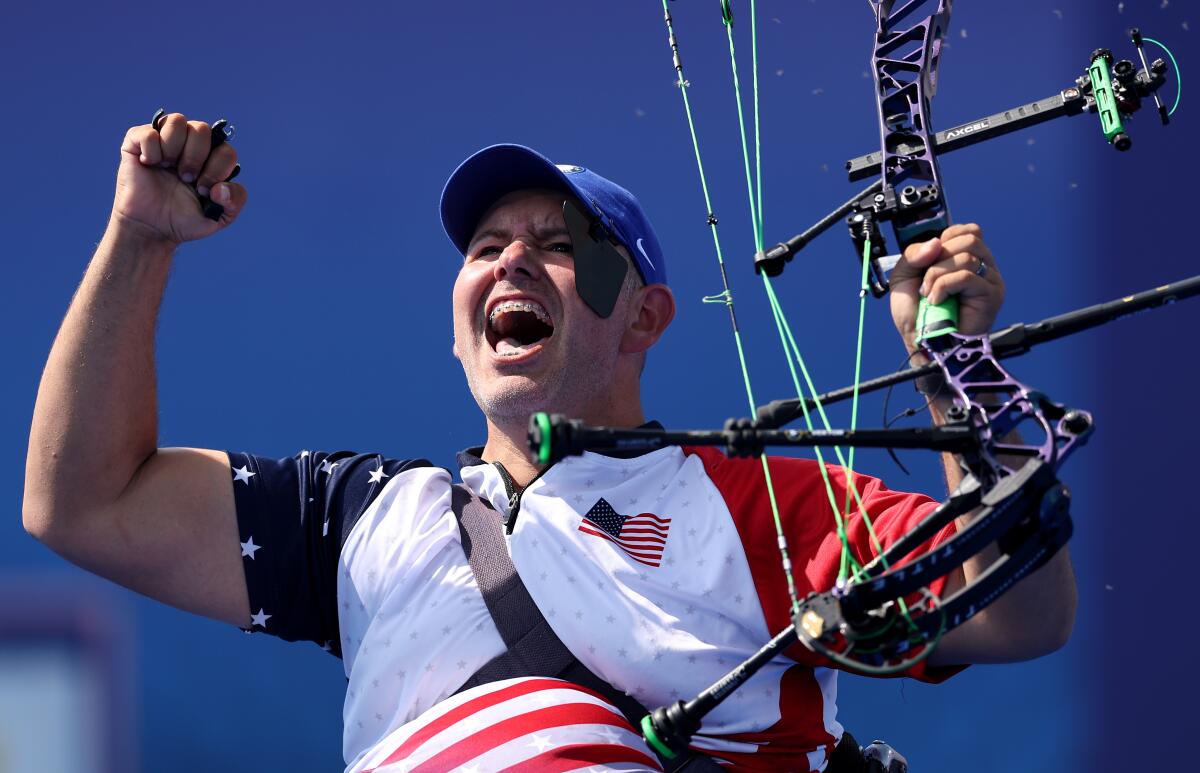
(162, 171)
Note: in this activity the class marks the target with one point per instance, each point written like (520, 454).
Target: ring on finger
(981, 270)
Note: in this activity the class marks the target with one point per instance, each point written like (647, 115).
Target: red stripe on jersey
(781, 746)
(581, 755)
(808, 524)
(474, 705)
(815, 551)
(504, 731)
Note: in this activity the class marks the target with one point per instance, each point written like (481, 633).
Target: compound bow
(881, 617)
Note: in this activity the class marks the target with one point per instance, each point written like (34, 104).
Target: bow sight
(1111, 91)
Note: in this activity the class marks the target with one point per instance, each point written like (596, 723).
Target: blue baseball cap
(488, 175)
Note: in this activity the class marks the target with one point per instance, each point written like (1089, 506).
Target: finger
(962, 283)
(959, 229)
(195, 150)
(231, 196)
(962, 261)
(218, 167)
(143, 142)
(971, 244)
(173, 133)
(912, 264)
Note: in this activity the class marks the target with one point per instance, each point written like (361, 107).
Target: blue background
(321, 318)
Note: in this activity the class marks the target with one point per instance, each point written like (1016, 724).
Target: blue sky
(321, 319)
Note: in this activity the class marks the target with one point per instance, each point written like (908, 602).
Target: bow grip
(937, 319)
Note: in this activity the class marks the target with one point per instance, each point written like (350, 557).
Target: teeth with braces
(505, 307)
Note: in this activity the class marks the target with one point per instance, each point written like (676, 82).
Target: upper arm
(171, 535)
(251, 540)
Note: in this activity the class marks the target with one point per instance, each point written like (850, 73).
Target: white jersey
(660, 573)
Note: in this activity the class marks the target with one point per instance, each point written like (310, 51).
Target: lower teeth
(510, 347)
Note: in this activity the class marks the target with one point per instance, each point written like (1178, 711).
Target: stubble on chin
(509, 400)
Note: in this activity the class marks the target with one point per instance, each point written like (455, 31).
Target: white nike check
(642, 250)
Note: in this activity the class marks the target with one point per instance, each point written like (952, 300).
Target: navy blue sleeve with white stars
(294, 515)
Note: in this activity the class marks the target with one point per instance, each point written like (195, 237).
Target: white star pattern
(540, 743)
(260, 619)
(243, 474)
(327, 466)
(378, 475)
(249, 548)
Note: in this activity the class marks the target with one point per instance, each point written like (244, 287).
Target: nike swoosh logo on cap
(642, 250)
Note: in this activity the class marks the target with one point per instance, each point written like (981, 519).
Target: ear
(653, 309)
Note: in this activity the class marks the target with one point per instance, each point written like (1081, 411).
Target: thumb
(923, 254)
(916, 258)
(232, 197)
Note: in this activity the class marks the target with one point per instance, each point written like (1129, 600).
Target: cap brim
(485, 178)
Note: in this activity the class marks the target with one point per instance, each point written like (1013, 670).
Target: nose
(517, 258)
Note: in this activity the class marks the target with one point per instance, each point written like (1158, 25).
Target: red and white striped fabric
(525, 724)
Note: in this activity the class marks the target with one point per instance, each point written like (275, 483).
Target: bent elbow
(1058, 630)
(1064, 629)
(34, 520)
(44, 524)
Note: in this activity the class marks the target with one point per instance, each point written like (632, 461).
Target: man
(363, 555)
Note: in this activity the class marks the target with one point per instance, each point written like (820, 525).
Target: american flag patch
(523, 724)
(641, 537)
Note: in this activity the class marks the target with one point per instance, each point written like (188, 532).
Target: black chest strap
(533, 647)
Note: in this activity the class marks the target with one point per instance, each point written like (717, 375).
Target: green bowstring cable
(1178, 74)
(754, 191)
(726, 297)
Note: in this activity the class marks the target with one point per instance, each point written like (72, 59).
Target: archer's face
(526, 340)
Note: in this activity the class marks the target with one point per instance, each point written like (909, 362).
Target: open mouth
(516, 327)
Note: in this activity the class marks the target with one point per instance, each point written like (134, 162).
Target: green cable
(795, 348)
(728, 296)
(1178, 74)
(756, 222)
(757, 138)
(756, 216)
(785, 335)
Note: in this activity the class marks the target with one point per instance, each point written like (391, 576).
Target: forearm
(96, 418)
